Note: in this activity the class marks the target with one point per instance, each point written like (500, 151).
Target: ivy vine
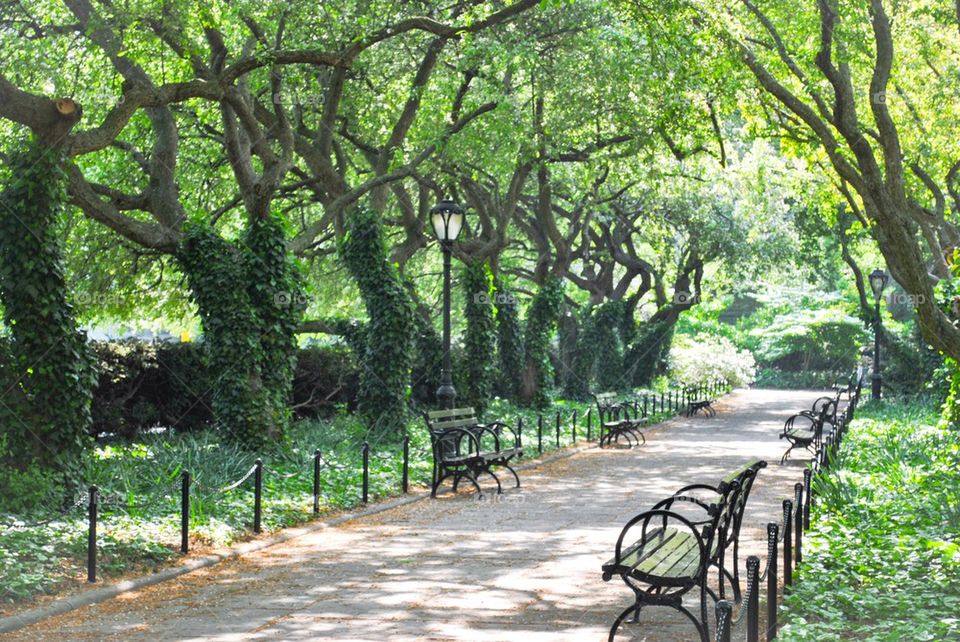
(250, 299)
(480, 343)
(510, 352)
(541, 322)
(50, 372)
(390, 332)
(646, 357)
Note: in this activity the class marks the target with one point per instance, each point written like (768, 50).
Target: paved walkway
(525, 567)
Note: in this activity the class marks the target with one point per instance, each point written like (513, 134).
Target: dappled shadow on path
(522, 566)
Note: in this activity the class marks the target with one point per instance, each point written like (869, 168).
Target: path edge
(102, 594)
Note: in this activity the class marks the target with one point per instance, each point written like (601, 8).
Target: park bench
(853, 384)
(672, 554)
(696, 405)
(615, 421)
(805, 429)
(744, 477)
(463, 448)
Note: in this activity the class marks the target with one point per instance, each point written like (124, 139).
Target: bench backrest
(439, 420)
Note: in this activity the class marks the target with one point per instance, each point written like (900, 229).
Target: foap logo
(287, 299)
(499, 299)
(499, 499)
(903, 298)
(685, 298)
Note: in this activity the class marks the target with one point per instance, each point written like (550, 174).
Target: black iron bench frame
(615, 421)
(695, 406)
(463, 448)
(809, 434)
(719, 529)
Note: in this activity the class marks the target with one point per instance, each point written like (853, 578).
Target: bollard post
(573, 428)
(185, 512)
(636, 408)
(92, 536)
(257, 494)
(365, 450)
(589, 423)
(406, 464)
(661, 402)
(798, 522)
(753, 604)
(540, 434)
(724, 615)
(558, 429)
(787, 543)
(316, 481)
(807, 500)
(520, 436)
(644, 406)
(773, 535)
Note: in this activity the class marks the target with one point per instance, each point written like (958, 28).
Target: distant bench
(463, 448)
(703, 404)
(615, 421)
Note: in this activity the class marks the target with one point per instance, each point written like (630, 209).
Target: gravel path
(525, 566)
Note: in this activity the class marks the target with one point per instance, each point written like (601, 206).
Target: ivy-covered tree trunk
(251, 302)
(480, 343)
(51, 376)
(510, 351)
(645, 358)
(541, 323)
(389, 335)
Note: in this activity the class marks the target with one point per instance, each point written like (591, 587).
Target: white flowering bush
(704, 358)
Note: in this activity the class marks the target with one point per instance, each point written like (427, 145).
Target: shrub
(705, 358)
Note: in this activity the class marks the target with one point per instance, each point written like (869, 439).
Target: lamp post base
(446, 396)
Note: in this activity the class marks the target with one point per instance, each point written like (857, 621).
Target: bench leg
(514, 473)
(496, 479)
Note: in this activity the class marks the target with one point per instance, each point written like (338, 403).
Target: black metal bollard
(365, 451)
(644, 406)
(316, 481)
(724, 615)
(807, 499)
(520, 436)
(573, 428)
(661, 402)
(558, 429)
(773, 534)
(636, 408)
(540, 434)
(787, 537)
(257, 494)
(589, 423)
(92, 537)
(753, 604)
(406, 464)
(185, 512)
(798, 522)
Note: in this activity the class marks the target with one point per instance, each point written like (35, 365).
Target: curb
(98, 595)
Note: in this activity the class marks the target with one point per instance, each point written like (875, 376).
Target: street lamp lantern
(878, 281)
(447, 218)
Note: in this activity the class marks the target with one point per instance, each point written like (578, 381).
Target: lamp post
(878, 281)
(447, 218)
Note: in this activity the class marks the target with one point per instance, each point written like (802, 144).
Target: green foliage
(809, 339)
(49, 378)
(882, 561)
(480, 342)
(250, 302)
(541, 322)
(510, 352)
(703, 358)
(646, 357)
(389, 334)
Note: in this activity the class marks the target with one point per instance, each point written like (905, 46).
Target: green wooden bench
(463, 448)
(677, 542)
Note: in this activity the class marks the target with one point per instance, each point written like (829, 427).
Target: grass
(882, 559)
(139, 484)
